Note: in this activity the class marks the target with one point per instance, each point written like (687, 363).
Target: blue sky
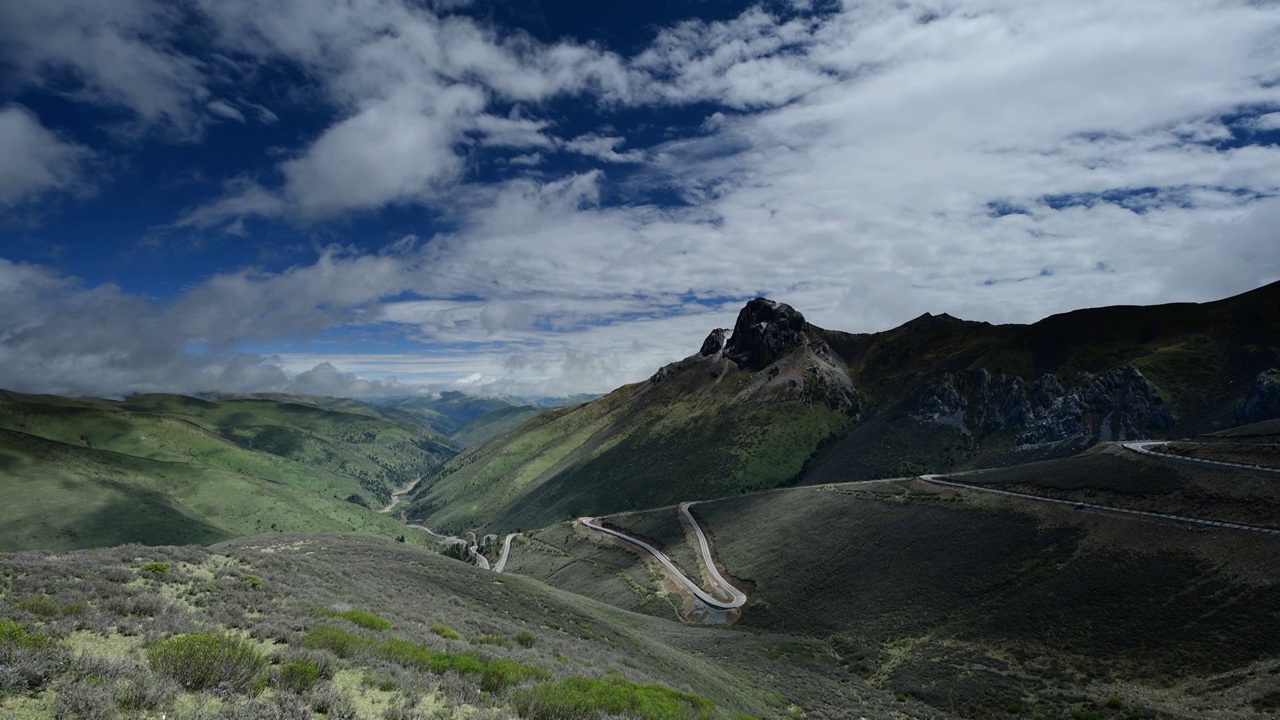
(378, 196)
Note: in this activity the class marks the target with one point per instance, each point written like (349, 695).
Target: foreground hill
(985, 605)
(355, 627)
(171, 469)
(782, 402)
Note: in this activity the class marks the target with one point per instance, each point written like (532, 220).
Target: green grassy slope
(642, 445)
(492, 424)
(531, 640)
(321, 450)
(973, 603)
(60, 496)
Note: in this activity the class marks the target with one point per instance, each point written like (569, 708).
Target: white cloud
(120, 54)
(603, 148)
(224, 109)
(1002, 161)
(36, 161)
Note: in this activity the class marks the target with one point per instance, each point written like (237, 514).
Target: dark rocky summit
(714, 342)
(1119, 404)
(765, 331)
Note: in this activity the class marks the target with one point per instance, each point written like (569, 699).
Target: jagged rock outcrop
(1119, 404)
(765, 331)
(714, 342)
(1263, 400)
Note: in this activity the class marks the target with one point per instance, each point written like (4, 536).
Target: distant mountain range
(778, 401)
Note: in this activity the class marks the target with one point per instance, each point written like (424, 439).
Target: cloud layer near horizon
(992, 159)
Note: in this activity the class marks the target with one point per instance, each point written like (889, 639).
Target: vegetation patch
(444, 631)
(14, 635)
(155, 568)
(589, 699)
(494, 674)
(204, 660)
(369, 621)
(42, 606)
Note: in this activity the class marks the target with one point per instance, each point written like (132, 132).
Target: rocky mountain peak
(765, 330)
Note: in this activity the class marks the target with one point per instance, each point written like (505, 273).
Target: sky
(539, 198)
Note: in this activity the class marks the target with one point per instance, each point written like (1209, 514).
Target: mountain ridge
(781, 401)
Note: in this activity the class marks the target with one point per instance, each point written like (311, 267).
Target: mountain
(779, 401)
(169, 469)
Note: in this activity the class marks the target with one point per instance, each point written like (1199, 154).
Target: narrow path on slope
(1144, 448)
(506, 550)
(738, 598)
(936, 480)
(395, 496)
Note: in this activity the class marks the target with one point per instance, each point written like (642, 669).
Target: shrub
(1085, 715)
(1115, 703)
(42, 606)
(449, 633)
(297, 676)
(14, 635)
(252, 581)
(205, 660)
(75, 608)
(494, 674)
(83, 700)
(365, 620)
(526, 639)
(144, 690)
(335, 640)
(155, 568)
(589, 699)
(492, 640)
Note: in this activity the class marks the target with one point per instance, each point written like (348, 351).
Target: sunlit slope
(642, 445)
(60, 496)
(323, 451)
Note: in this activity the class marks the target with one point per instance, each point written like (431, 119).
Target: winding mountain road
(936, 480)
(738, 599)
(1144, 448)
(506, 550)
(395, 496)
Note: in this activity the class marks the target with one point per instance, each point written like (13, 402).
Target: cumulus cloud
(120, 54)
(994, 159)
(36, 160)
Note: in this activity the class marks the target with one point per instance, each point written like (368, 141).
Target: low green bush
(252, 581)
(526, 639)
(203, 660)
(590, 699)
(297, 676)
(1115, 703)
(155, 568)
(75, 608)
(42, 606)
(365, 620)
(444, 631)
(494, 674)
(14, 635)
(492, 640)
(336, 640)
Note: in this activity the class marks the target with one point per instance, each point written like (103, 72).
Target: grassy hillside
(934, 395)
(323, 451)
(975, 604)
(492, 424)
(59, 496)
(317, 626)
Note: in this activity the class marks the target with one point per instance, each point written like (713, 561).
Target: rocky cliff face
(1119, 404)
(1263, 400)
(765, 331)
